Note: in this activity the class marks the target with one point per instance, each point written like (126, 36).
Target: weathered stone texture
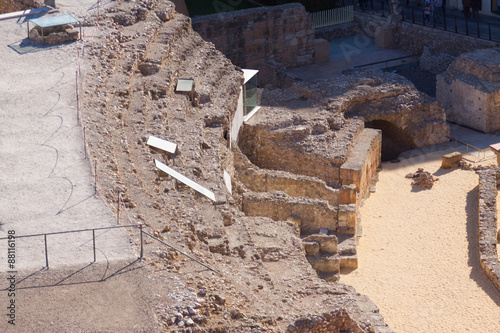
(333, 322)
(251, 36)
(321, 51)
(488, 255)
(470, 90)
(451, 160)
(338, 31)
(53, 35)
(433, 61)
(312, 214)
(363, 160)
(273, 74)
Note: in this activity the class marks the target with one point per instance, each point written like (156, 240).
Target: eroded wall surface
(251, 36)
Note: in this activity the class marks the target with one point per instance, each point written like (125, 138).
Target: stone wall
(251, 36)
(274, 74)
(488, 255)
(435, 62)
(414, 38)
(363, 161)
(311, 214)
(338, 31)
(470, 90)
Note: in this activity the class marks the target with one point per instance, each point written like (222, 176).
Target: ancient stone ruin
(470, 90)
(53, 35)
(422, 178)
(297, 171)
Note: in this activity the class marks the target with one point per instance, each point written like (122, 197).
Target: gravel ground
(423, 80)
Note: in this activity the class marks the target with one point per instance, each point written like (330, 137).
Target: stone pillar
(51, 3)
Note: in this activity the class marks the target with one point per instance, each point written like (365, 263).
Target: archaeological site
(244, 171)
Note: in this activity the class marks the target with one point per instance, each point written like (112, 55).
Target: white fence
(333, 16)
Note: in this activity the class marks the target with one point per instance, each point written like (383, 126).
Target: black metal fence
(459, 25)
(437, 19)
(44, 235)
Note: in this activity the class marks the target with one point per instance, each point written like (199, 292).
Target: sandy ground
(418, 256)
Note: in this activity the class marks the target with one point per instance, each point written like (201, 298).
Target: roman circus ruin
(289, 181)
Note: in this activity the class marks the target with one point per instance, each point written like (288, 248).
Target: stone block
(451, 160)
(347, 216)
(383, 37)
(330, 264)
(311, 248)
(326, 243)
(321, 51)
(348, 194)
(349, 261)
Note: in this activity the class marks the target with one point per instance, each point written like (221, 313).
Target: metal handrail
(467, 22)
(386, 61)
(75, 231)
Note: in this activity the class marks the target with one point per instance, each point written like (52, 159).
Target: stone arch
(394, 139)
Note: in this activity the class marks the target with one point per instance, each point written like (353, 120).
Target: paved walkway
(46, 183)
(349, 52)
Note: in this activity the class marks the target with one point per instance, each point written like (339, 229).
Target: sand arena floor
(418, 256)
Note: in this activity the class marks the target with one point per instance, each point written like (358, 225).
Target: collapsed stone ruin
(298, 170)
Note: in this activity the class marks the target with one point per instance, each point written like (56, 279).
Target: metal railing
(451, 23)
(333, 16)
(44, 235)
(388, 61)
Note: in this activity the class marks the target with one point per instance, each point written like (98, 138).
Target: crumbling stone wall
(333, 322)
(274, 74)
(251, 36)
(338, 31)
(470, 90)
(311, 214)
(435, 62)
(488, 255)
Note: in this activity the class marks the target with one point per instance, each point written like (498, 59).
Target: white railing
(333, 16)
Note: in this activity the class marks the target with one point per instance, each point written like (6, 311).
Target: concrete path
(46, 183)
(349, 52)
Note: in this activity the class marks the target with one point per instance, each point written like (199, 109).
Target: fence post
(85, 142)
(412, 16)
(95, 179)
(140, 227)
(444, 21)
(93, 240)
(118, 208)
(478, 34)
(46, 254)
(456, 28)
(466, 27)
(489, 31)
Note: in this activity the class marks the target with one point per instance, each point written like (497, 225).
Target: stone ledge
(488, 256)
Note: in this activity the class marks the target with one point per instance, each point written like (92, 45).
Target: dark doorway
(394, 140)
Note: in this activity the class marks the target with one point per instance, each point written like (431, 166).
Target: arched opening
(394, 139)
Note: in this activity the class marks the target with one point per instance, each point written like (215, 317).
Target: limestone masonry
(470, 90)
(249, 37)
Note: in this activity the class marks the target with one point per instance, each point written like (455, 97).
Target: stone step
(346, 244)
(349, 261)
